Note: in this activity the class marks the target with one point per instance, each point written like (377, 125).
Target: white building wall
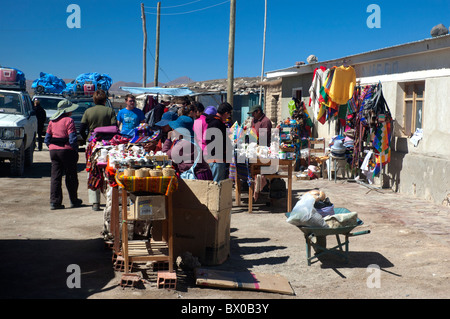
(423, 170)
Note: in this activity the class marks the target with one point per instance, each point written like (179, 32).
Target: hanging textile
(381, 143)
(342, 87)
(336, 91)
(319, 77)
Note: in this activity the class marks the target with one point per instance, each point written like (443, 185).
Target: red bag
(8, 75)
(89, 89)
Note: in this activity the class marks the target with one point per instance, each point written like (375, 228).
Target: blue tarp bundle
(48, 83)
(101, 81)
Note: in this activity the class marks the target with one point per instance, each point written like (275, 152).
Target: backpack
(375, 106)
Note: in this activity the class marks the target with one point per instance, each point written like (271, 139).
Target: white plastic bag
(304, 213)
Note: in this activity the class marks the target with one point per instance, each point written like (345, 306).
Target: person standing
(41, 116)
(155, 114)
(261, 125)
(200, 126)
(219, 153)
(98, 115)
(61, 139)
(130, 117)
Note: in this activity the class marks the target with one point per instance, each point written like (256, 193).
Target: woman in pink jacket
(200, 124)
(61, 139)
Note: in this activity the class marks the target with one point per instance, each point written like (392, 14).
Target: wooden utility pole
(157, 44)
(144, 28)
(230, 87)
(264, 53)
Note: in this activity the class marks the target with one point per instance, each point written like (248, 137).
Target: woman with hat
(163, 128)
(61, 139)
(182, 149)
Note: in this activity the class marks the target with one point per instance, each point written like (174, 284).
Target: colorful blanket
(159, 185)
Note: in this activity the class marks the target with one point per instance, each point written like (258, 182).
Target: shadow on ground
(39, 268)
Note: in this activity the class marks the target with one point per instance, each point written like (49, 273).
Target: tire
(29, 152)
(18, 163)
(39, 89)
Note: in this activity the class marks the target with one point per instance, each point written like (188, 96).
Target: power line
(192, 11)
(160, 68)
(180, 5)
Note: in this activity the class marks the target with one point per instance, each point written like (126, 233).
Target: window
(297, 93)
(414, 94)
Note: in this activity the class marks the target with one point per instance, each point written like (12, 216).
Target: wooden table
(141, 251)
(255, 168)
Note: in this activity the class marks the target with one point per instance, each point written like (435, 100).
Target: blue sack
(48, 83)
(101, 81)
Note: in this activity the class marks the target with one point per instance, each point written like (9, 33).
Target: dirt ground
(409, 244)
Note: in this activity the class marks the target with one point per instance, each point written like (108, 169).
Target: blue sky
(194, 35)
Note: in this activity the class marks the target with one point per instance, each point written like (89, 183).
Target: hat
(210, 110)
(64, 106)
(165, 98)
(338, 147)
(254, 108)
(166, 118)
(182, 124)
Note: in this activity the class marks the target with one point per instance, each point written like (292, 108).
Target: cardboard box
(147, 207)
(202, 216)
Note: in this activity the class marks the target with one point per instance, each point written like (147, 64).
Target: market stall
(152, 215)
(363, 120)
(256, 165)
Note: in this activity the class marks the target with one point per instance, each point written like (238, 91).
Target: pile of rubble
(242, 86)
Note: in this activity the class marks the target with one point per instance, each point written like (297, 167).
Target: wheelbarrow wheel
(322, 242)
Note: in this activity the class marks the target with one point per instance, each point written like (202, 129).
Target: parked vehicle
(18, 127)
(50, 103)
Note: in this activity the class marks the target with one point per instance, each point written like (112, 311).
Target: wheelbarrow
(316, 237)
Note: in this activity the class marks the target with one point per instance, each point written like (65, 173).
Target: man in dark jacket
(218, 144)
(41, 116)
(261, 125)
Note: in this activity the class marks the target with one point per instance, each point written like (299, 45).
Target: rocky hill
(242, 85)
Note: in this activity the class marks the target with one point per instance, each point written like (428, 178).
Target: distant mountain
(180, 81)
(115, 87)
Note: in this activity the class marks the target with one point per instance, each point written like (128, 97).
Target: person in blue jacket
(130, 117)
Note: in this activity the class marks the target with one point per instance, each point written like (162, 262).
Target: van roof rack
(14, 86)
(48, 93)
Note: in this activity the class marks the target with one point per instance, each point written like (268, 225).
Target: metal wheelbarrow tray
(316, 237)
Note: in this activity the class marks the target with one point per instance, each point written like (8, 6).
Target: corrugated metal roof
(415, 47)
